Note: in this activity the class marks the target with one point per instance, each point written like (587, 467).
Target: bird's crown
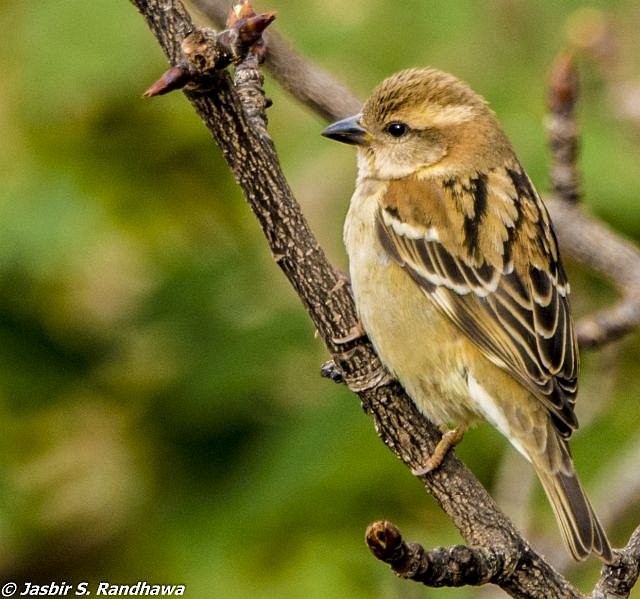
(414, 90)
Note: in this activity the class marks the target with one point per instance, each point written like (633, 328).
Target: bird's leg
(354, 333)
(450, 438)
(330, 369)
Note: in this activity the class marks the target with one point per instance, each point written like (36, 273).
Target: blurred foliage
(161, 413)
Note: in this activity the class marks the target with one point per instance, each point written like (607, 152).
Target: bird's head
(423, 122)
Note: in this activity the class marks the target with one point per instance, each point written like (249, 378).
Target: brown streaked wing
(517, 314)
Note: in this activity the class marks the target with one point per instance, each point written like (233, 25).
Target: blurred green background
(162, 417)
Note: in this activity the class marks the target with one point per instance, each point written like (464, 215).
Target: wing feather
(497, 275)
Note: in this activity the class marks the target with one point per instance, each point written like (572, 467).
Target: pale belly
(422, 348)
(445, 374)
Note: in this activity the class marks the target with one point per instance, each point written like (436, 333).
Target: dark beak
(348, 131)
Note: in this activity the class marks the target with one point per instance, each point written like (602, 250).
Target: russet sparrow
(458, 281)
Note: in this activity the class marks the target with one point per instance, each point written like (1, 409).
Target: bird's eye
(396, 129)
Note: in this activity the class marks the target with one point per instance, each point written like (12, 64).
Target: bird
(458, 281)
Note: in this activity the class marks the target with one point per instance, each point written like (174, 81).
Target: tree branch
(618, 579)
(585, 239)
(459, 565)
(311, 85)
(563, 130)
(593, 243)
(607, 253)
(252, 159)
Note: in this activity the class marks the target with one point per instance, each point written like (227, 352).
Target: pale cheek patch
(388, 164)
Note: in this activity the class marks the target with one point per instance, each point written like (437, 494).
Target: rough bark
(496, 553)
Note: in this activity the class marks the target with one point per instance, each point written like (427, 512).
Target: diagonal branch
(587, 240)
(618, 579)
(592, 243)
(458, 566)
(331, 100)
(252, 159)
(308, 83)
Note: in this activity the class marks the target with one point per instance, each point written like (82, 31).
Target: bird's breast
(423, 348)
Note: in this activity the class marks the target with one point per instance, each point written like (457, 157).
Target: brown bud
(244, 32)
(251, 30)
(563, 85)
(175, 78)
(384, 540)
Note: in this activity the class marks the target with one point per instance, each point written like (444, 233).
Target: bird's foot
(354, 333)
(450, 438)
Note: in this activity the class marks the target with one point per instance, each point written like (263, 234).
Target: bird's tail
(581, 530)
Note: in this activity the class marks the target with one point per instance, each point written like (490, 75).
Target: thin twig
(563, 129)
(593, 243)
(308, 83)
(455, 566)
(617, 580)
(252, 160)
